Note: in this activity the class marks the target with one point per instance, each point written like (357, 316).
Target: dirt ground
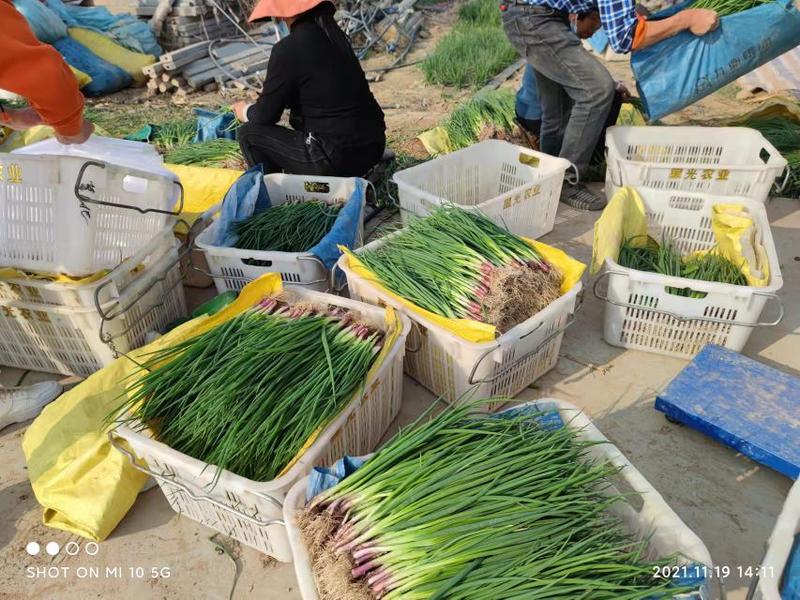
(728, 500)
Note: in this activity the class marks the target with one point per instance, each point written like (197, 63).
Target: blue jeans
(575, 90)
(528, 105)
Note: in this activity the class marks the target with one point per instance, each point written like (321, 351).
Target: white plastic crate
(77, 216)
(251, 511)
(515, 187)
(668, 534)
(766, 585)
(84, 295)
(640, 312)
(450, 366)
(81, 340)
(725, 161)
(233, 268)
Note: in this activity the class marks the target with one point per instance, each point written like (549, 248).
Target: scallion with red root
(461, 265)
(248, 394)
(478, 508)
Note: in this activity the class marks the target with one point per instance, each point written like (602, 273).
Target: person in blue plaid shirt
(576, 91)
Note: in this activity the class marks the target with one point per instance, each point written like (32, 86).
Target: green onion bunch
(493, 108)
(173, 134)
(290, 227)
(729, 7)
(459, 264)
(219, 152)
(666, 259)
(246, 395)
(482, 507)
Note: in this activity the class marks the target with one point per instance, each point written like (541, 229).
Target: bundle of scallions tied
(289, 227)
(483, 507)
(459, 264)
(248, 394)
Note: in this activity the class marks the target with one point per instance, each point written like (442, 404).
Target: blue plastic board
(744, 404)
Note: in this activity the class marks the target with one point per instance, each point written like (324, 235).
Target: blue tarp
(125, 29)
(683, 69)
(248, 195)
(106, 78)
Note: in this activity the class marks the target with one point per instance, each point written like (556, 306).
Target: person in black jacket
(337, 126)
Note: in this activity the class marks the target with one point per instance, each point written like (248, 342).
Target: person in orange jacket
(38, 73)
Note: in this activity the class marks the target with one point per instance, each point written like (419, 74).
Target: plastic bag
(106, 78)
(203, 187)
(245, 197)
(212, 125)
(82, 78)
(126, 29)
(681, 70)
(107, 49)
(473, 331)
(46, 25)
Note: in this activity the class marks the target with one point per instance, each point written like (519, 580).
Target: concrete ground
(728, 500)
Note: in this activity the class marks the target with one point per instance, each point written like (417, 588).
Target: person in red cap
(337, 127)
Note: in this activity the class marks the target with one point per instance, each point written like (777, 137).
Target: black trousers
(283, 150)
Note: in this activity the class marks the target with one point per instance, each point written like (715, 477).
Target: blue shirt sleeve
(619, 21)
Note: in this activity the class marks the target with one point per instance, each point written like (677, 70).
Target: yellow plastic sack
(107, 49)
(472, 331)
(82, 78)
(739, 241)
(436, 141)
(11, 273)
(18, 139)
(623, 218)
(203, 187)
(85, 486)
(735, 232)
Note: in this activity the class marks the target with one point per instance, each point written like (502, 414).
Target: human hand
(240, 110)
(702, 20)
(21, 118)
(85, 133)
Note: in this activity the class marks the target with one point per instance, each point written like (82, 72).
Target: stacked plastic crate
(88, 261)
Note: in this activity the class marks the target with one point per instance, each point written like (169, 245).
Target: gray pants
(575, 90)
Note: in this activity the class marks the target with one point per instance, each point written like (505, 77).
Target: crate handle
(545, 341)
(788, 172)
(681, 318)
(414, 327)
(112, 437)
(133, 172)
(104, 318)
(337, 288)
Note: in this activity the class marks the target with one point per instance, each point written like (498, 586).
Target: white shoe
(24, 403)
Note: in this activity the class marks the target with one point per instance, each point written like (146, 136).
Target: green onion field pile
(210, 153)
(477, 508)
(493, 109)
(666, 259)
(474, 51)
(247, 395)
(729, 7)
(784, 134)
(460, 265)
(290, 227)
